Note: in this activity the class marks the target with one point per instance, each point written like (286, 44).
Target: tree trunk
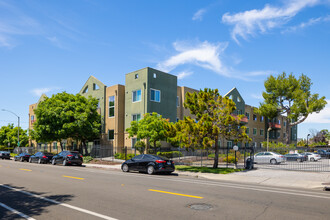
(85, 147)
(61, 145)
(288, 129)
(216, 156)
(155, 148)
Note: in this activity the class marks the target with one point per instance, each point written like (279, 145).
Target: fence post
(227, 155)
(125, 153)
(201, 157)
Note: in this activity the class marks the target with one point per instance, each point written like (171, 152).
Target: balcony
(274, 125)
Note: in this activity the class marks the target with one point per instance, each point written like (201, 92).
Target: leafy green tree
(8, 134)
(66, 116)
(290, 96)
(214, 120)
(140, 146)
(152, 127)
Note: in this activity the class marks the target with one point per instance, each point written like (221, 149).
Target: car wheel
(30, 160)
(125, 168)
(53, 162)
(150, 170)
(39, 161)
(64, 162)
(21, 159)
(273, 161)
(312, 159)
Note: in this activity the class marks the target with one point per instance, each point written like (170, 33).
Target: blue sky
(54, 46)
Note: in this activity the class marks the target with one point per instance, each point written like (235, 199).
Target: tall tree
(8, 134)
(67, 116)
(290, 96)
(152, 127)
(214, 120)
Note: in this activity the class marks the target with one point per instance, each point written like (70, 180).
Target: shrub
(140, 146)
(121, 156)
(88, 159)
(231, 159)
(170, 154)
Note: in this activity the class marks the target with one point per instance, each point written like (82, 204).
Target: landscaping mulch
(105, 162)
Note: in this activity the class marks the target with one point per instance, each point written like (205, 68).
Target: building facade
(149, 90)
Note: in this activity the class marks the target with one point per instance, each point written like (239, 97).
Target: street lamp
(17, 125)
(307, 139)
(268, 130)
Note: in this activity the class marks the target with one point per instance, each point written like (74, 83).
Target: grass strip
(206, 169)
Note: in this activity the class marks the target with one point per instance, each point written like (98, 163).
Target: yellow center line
(72, 177)
(26, 170)
(178, 194)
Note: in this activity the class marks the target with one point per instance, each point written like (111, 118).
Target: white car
(268, 157)
(312, 156)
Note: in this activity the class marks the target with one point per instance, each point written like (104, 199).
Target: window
(136, 95)
(284, 123)
(261, 118)
(254, 131)
(134, 140)
(177, 101)
(177, 119)
(111, 106)
(247, 130)
(55, 146)
(261, 132)
(86, 89)
(154, 95)
(247, 115)
(238, 99)
(254, 117)
(98, 104)
(229, 144)
(155, 75)
(95, 87)
(111, 134)
(136, 76)
(136, 117)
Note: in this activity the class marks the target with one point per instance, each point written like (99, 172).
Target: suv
(324, 153)
(4, 155)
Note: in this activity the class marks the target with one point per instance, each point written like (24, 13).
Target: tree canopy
(67, 116)
(8, 134)
(214, 119)
(290, 96)
(152, 127)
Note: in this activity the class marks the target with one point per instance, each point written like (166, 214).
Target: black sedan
(41, 157)
(22, 157)
(295, 157)
(68, 158)
(5, 155)
(148, 163)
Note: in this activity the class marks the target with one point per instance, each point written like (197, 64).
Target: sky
(54, 46)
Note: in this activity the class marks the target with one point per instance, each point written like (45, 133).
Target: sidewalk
(267, 177)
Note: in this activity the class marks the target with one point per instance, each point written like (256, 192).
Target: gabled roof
(42, 98)
(234, 91)
(94, 80)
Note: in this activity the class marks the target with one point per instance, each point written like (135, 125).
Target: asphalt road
(39, 191)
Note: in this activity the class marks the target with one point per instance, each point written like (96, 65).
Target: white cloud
(202, 54)
(39, 91)
(184, 74)
(199, 15)
(322, 117)
(255, 96)
(56, 42)
(310, 22)
(249, 23)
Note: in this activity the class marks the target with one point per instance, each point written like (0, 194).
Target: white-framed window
(111, 106)
(136, 95)
(136, 117)
(177, 101)
(154, 95)
(111, 135)
(229, 144)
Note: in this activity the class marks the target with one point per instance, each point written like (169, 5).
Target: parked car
(324, 153)
(148, 163)
(268, 157)
(22, 157)
(41, 157)
(312, 156)
(295, 157)
(68, 158)
(5, 155)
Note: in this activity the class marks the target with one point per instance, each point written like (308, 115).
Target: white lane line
(61, 204)
(16, 212)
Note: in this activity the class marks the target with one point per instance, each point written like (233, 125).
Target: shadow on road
(25, 203)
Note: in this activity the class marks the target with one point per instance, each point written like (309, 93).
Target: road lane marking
(16, 212)
(61, 204)
(73, 177)
(177, 194)
(26, 170)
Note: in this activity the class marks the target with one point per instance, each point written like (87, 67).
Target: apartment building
(149, 90)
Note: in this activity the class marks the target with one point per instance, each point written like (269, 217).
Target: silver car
(268, 157)
(312, 156)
